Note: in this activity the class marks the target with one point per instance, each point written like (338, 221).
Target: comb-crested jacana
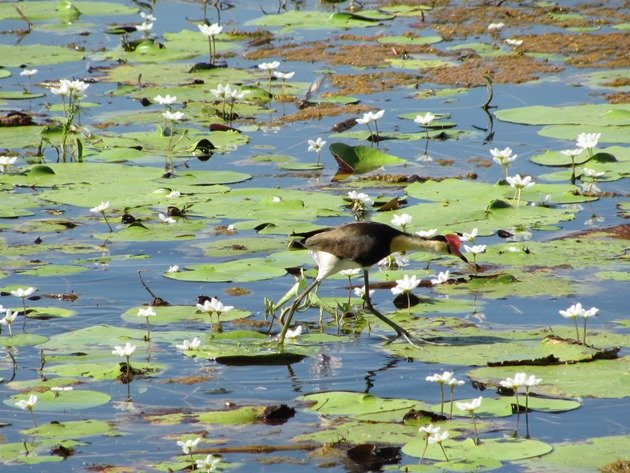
(361, 245)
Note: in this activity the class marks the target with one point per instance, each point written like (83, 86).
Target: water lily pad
(49, 401)
(243, 270)
(360, 159)
(584, 115)
(72, 429)
(602, 378)
(579, 456)
(300, 19)
(498, 449)
(175, 314)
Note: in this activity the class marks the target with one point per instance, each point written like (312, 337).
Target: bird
(361, 245)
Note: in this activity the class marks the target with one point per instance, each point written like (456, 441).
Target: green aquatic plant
(470, 407)
(28, 404)
(147, 312)
(71, 93)
(210, 32)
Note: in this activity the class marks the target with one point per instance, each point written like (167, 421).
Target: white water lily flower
(148, 312)
(214, 306)
(427, 233)
(503, 156)
(405, 285)
(210, 30)
(173, 116)
(429, 429)
(189, 345)
(576, 310)
(571, 153)
(443, 378)
(166, 219)
(401, 220)
(514, 42)
(283, 75)
(588, 140)
(350, 272)
(147, 16)
(295, 333)
(188, 445)
(209, 464)
(126, 350)
(27, 403)
(100, 208)
(469, 236)
(360, 197)
(173, 195)
(269, 66)
(442, 277)
(7, 162)
(28, 72)
(519, 182)
(588, 172)
(144, 27)
(316, 145)
(424, 120)
(360, 292)
(469, 406)
(475, 249)
(495, 26)
(173, 269)
(166, 100)
(438, 437)
(23, 293)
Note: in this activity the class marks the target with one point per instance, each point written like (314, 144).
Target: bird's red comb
(455, 245)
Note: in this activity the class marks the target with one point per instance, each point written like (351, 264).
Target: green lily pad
(300, 19)
(360, 159)
(21, 339)
(602, 378)
(41, 54)
(496, 449)
(600, 115)
(409, 40)
(72, 429)
(50, 401)
(174, 314)
(243, 270)
(579, 456)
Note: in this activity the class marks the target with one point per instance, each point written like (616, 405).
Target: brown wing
(364, 242)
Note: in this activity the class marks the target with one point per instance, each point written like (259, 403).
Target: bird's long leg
(294, 306)
(401, 332)
(368, 303)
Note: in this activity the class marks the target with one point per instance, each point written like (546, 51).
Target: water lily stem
(475, 427)
(424, 450)
(518, 412)
(107, 222)
(577, 331)
(585, 319)
(450, 414)
(30, 409)
(441, 399)
(443, 451)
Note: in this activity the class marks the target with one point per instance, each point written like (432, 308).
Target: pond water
(503, 313)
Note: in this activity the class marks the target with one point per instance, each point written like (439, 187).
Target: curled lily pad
(360, 159)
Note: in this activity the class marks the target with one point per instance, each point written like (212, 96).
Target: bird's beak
(463, 258)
